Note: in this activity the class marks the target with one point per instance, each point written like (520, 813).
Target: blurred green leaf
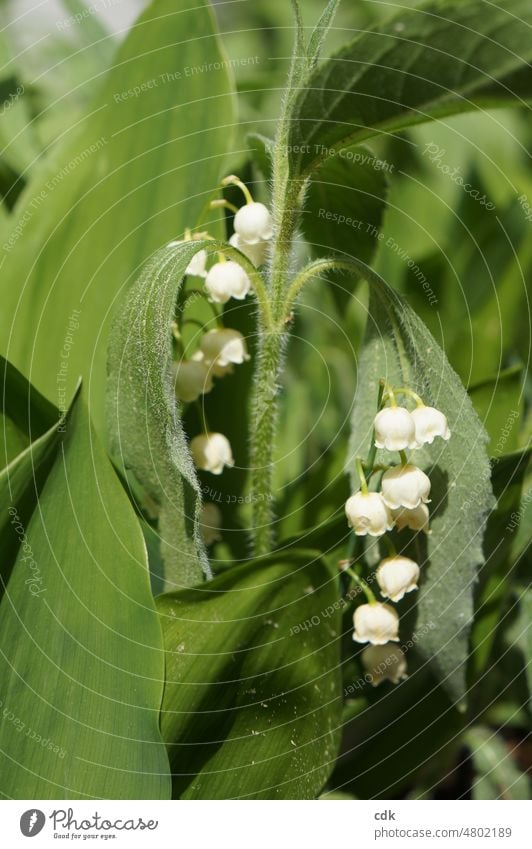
(379, 83)
(399, 348)
(344, 209)
(497, 776)
(252, 700)
(145, 431)
(495, 577)
(81, 658)
(134, 173)
(499, 404)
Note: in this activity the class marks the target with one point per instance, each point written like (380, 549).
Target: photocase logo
(32, 822)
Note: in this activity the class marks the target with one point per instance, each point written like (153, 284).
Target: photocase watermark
(87, 12)
(12, 99)
(34, 581)
(61, 378)
(51, 184)
(181, 74)
(212, 494)
(404, 256)
(525, 206)
(436, 155)
(360, 157)
(21, 727)
(385, 664)
(517, 516)
(506, 431)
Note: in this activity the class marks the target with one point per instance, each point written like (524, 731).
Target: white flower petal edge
(430, 423)
(223, 347)
(211, 452)
(405, 486)
(384, 663)
(256, 253)
(227, 280)
(416, 519)
(395, 429)
(397, 576)
(253, 223)
(191, 379)
(375, 623)
(368, 514)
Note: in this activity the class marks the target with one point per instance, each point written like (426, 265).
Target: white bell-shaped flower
(215, 369)
(196, 266)
(405, 486)
(376, 623)
(416, 519)
(256, 253)
(430, 423)
(224, 347)
(253, 223)
(397, 576)
(211, 452)
(384, 663)
(191, 379)
(227, 280)
(368, 514)
(395, 429)
(210, 523)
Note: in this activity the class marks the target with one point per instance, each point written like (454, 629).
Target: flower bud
(224, 347)
(368, 514)
(416, 519)
(196, 266)
(376, 623)
(384, 663)
(227, 280)
(397, 576)
(256, 253)
(211, 452)
(405, 486)
(210, 523)
(395, 429)
(192, 379)
(430, 423)
(253, 223)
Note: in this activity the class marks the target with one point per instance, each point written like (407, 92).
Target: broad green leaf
(499, 404)
(252, 701)
(497, 775)
(24, 413)
(145, 431)
(424, 63)
(495, 579)
(344, 209)
(132, 175)
(81, 659)
(399, 348)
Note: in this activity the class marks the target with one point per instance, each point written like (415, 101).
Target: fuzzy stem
(264, 414)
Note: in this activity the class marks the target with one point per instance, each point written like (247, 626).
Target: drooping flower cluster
(223, 348)
(401, 502)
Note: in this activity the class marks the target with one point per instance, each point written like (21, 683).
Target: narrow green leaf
(320, 31)
(399, 348)
(81, 660)
(252, 703)
(497, 774)
(24, 413)
(132, 175)
(425, 63)
(495, 579)
(146, 434)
